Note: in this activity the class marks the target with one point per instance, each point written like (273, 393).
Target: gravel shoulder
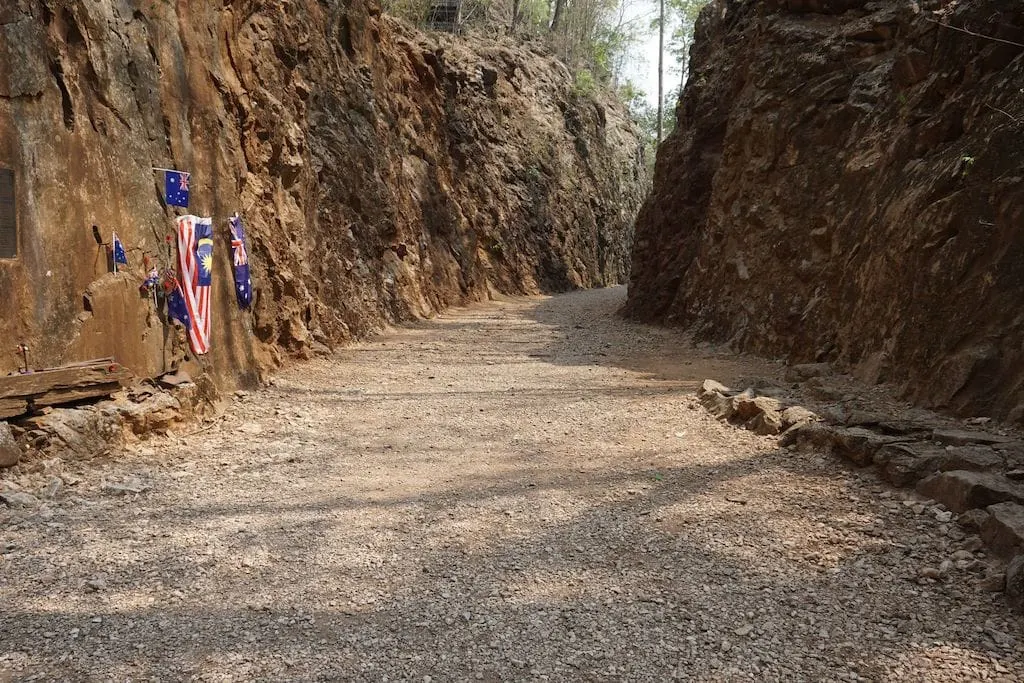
(522, 490)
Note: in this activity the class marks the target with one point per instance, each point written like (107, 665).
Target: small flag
(119, 255)
(243, 283)
(176, 308)
(176, 187)
(151, 282)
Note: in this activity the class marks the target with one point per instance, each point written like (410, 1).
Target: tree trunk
(556, 18)
(661, 60)
(515, 16)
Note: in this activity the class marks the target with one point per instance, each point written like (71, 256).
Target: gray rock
(973, 519)
(977, 458)
(1003, 531)
(958, 437)
(1015, 583)
(10, 453)
(805, 371)
(18, 499)
(904, 464)
(961, 490)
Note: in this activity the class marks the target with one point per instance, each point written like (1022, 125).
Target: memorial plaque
(8, 216)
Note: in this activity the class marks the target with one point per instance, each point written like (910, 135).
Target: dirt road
(525, 490)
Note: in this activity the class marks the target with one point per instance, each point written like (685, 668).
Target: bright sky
(642, 67)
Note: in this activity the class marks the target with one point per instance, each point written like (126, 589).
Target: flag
(177, 309)
(176, 187)
(151, 282)
(243, 283)
(195, 275)
(119, 254)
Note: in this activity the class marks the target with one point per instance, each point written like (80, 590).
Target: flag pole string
(170, 170)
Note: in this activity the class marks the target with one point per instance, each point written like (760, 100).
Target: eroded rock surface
(844, 183)
(382, 174)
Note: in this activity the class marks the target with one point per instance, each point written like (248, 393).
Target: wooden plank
(43, 381)
(59, 396)
(11, 407)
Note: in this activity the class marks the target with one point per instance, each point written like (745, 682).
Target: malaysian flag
(195, 274)
(243, 283)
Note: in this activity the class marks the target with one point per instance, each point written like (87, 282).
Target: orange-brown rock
(382, 174)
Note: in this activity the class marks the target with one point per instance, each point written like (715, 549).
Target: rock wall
(381, 174)
(845, 184)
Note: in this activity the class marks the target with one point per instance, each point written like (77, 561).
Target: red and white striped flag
(195, 270)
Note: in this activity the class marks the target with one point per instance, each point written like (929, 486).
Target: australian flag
(176, 307)
(243, 283)
(176, 187)
(119, 254)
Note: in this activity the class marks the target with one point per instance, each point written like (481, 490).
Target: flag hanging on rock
(243, 283)
(119, 254)
(176, 187)
(177, 309)
(195, 275)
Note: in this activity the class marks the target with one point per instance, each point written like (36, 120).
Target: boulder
(1003, 530)
(710, 386)
(1015, 583)
(10, 452)
(972, 520)
(851, 443)
(767, 423)
(795, 415)
(961, 490)
(904, 464)
(977, 458)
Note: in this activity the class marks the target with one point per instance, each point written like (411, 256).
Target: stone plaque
(8, 216)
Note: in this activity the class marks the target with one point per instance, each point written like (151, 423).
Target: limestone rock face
(844, 184)
(381, 174)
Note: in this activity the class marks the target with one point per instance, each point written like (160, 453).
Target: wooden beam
(81, 375)
(59, 396)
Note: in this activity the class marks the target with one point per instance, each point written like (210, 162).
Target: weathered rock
(961, 490)
(1015, 583)
(973, 519)
(790, 203)
(957, 437)
(977, 458)
(747, 407)
(710, 386)
(10, 452)
(851, 443)
(516, 183)
(805, 371)
(903, 464)
(767, 423)
(156, 413)
(795, 415)
(18, 499)
(1003, 531)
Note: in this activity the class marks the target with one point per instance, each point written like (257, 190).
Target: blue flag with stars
(119, 254)
(243, 283)
(176, 187)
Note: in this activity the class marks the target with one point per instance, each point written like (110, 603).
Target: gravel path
(525, 490)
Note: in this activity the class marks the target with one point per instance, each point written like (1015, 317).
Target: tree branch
(976, 35)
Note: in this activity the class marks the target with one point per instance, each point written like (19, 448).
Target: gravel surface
(525, 490)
